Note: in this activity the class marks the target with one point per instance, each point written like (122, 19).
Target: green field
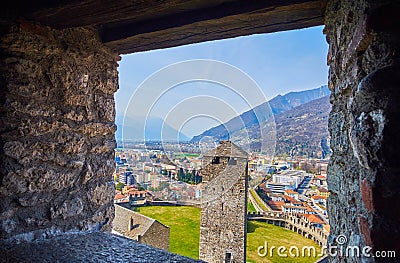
(188, 155)
(259, 232)
(184, 223)
(257, 198)
(251, 208)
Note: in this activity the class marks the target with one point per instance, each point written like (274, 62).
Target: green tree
(162, 186)
(119, 186)
(188, 175)
(181, 174)
(193, 177)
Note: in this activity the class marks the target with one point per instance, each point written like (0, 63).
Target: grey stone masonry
(364, 170)
(88, 247)
(57, 131)
(223, 213)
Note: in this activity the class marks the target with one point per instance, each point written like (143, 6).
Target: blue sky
(278, 63)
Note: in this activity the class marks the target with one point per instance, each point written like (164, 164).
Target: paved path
(255, 203)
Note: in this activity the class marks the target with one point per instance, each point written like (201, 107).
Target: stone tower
(223, 212)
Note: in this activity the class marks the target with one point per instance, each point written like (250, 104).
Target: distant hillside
(301, 131)
(304, 129)
(277, 105)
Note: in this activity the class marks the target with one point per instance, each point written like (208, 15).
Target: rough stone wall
(87, 247)
(140, 228)
(57, 131)
(223, 214)
(364, 77)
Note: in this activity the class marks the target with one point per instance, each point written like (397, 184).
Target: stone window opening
(131, 223)
(228, 257)
(216, 160)
(232, 161)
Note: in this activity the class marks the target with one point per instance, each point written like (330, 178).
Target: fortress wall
(364, 77)
(57, 131)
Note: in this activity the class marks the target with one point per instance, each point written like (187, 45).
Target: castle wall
(223, 216)
(364, 77)
(57, 131)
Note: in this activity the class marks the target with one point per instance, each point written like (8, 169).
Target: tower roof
(227, 149)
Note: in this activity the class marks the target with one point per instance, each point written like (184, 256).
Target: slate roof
(227, 149)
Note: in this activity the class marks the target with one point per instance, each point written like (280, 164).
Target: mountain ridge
(276, 105)
(301, 131)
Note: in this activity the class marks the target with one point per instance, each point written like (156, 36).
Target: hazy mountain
(291, 100)
(134, 130)
(301, 131)
(278, 104)
(304, 129)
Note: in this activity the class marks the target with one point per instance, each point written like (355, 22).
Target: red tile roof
(292, 200)
(316, 197)
(313, 219)
(276, 205)
(309, 209)
(327, 228)
(119, 196)
(323, 190)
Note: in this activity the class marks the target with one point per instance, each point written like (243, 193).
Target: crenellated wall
(364, 77)
(57, 131)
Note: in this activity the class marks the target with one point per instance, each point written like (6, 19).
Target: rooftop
(317, 197)
(290, 191)
(119, 196)
(313, 219)
(227, 149)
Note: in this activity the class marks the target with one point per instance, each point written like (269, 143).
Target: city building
(314, 220)
(127, 178)
(322, 192)
(292, 193)
(286, 180)
(289, 208)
